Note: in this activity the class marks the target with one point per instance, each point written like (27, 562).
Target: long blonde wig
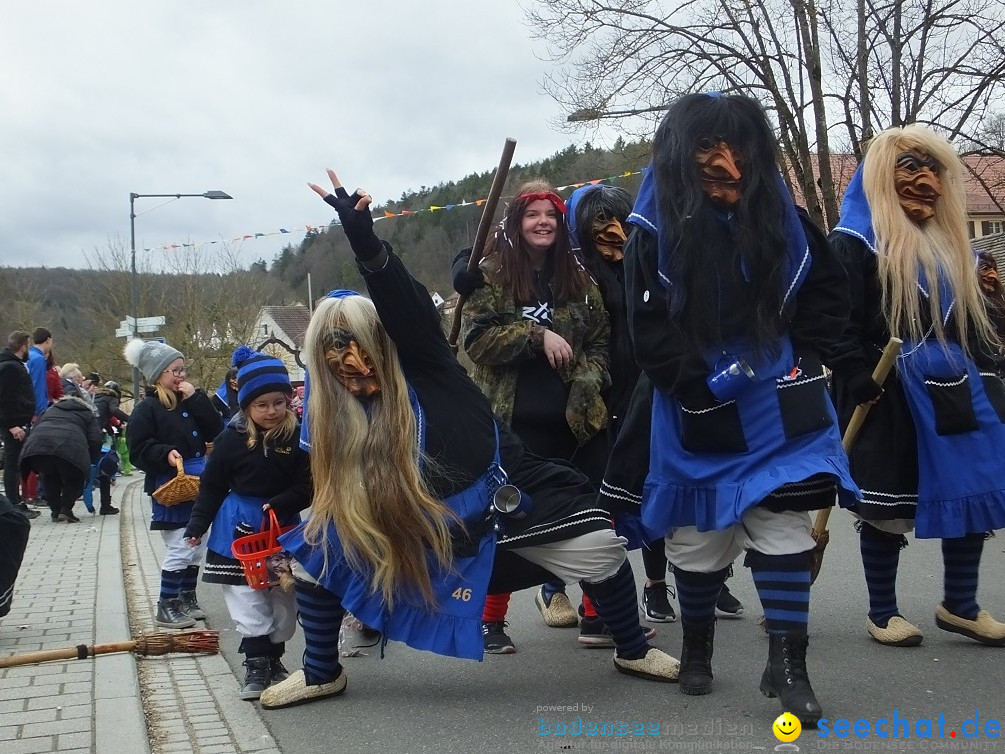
(938, 247)
(366, 472)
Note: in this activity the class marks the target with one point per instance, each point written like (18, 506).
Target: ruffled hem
(667, 505)
(948, 519)
(439, 632)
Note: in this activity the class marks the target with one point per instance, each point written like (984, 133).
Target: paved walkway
(74, 587)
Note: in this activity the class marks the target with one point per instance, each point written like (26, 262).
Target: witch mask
(351, 365)
(609, 238)
(720, 169)
(918, 184)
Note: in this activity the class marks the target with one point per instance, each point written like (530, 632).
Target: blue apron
(181, 513)
(454, 626)
(239, 515)
(959, 413)
(711, 486)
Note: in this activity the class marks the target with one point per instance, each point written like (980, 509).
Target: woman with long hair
(408, 463)
(171, 424)
(538, 335)
(903, 239)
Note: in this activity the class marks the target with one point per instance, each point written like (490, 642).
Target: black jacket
(107, 404)
(153, 432)
(814, 325)
(69, 430)
(17, 396)
(280, 473)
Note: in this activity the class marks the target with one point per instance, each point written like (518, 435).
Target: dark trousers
(63, 482)
(11, 467)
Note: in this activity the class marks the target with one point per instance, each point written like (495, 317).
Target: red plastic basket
(254, 551)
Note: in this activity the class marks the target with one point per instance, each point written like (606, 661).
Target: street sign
(143, 325)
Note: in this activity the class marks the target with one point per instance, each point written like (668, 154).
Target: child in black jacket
(256, 464)
(171, 424)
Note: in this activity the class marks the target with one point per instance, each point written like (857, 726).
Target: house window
(972, 229)
(992, 226)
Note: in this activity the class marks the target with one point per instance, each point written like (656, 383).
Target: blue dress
(454, 626)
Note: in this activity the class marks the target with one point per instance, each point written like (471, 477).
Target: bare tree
(825, 69)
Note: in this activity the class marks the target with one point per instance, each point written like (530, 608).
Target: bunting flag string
(383, 215)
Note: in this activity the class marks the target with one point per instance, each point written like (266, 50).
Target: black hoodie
(17, 396)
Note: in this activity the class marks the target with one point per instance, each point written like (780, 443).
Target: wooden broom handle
(81, 652)
(482, 234)
(879, 375)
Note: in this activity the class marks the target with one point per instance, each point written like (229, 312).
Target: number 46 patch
(464, 595)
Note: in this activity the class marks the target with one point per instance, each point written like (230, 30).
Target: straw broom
(147, 645)
(482, 234)
(820, 532)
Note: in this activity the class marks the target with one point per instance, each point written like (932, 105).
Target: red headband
(552, 197)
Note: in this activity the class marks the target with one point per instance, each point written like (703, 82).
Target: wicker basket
(184, 488)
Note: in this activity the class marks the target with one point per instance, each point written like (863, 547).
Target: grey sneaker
(258, 677)
(170, 615)
(190, 606)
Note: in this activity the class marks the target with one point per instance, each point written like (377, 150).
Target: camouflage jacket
(498, 339)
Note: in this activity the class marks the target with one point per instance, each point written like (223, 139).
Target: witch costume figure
(403, 531)
(903, 240)
(734, 297)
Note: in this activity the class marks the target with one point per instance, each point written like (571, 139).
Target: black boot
(696, 658)
(785, 677)
(256, 680)
(170, 615)
(108, 510)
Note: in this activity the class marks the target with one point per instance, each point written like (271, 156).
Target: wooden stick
(879, 374)
(482, 234)
(190, 642)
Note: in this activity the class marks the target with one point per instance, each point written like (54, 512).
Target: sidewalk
(71, 591)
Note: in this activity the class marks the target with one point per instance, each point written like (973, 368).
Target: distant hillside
(428, 241)
(84, 307)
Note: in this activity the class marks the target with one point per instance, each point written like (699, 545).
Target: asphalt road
(418, 702)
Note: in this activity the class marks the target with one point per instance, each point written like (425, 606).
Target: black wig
(609, 203)
(725, 263)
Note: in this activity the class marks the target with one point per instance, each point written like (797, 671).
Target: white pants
(177, 554)
(760, 529)
(592, 557)
(262, 612)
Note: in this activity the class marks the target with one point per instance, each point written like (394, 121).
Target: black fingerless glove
(465, 282)
(863, 388)
(357, 224)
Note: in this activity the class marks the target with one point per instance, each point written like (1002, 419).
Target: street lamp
(134, 297)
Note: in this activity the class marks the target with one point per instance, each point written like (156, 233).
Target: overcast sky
(254, 98)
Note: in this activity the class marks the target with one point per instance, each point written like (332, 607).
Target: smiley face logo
(786, 727)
